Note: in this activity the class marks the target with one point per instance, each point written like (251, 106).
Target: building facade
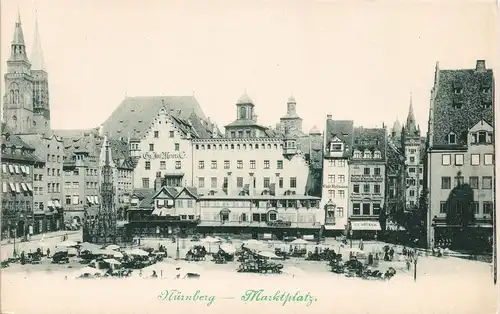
(17, 160)
(48, 181)
(367, 171)
(460, 165)
(338, 145)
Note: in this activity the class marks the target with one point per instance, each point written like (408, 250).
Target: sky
(356, 60)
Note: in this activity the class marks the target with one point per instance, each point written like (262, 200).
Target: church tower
(18, 98)
(41, 104)
(291, 122)
(411, 144)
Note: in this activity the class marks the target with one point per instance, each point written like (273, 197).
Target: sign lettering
(334, 186)
(164, 155)
(355, 177)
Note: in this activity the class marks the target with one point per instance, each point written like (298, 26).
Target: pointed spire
(411, 125)
(37, 61)
(18, 38)
(18, 47)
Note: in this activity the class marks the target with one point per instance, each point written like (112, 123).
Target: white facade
(258, 163)
(165, 150)
(336, 190)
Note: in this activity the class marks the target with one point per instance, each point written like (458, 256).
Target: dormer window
(335, 147)
(367, 155)
(376, 155)
(458, 90)
(452, 138)
(357, 154)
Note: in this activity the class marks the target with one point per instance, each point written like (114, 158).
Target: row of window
(481, 137)
(240, 182)
(53, 187)
(13, 150)
(163, 165)
(53, 158)
(126, 173)
(15, 169)
(18, 187)
(368, 209)
(156, 134)
(366, 188)
(259, 217)
(340, 177)
(486, 182)
(238, 146)
(474, 206)
(17, 205)
(336, 163)
(239, 164)
(75, 199)
(475, 159)
(338, 212)
(367, 155)
(340, 193)
(54, 172)
(170, 181)
(179, 203)
(176, 147)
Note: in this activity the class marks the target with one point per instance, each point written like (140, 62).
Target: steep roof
(244, 100)
(10, 140)
(475, 104)
(37, 141)
(37, 61)
(134, 116)
(370, 139)
(343, 129)
(74, 133)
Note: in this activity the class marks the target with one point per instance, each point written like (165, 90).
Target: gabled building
(18, 160)
(460, 161)
(338, 145)
(367, 175)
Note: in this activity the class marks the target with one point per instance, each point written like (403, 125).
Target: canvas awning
(96, 199)
(23, 169)
(330, 227)
(27, 168)
(29, 186)
(156, 212)
(12, 187)
(57, 204)
(17, 168)
(18, 188)
(25, 188)
(90, 200)
(11, 169)
(4, 168)
(366, 225)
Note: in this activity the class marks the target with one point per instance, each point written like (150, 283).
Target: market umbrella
(210, 240)
(112, 247)
(137, 252)
(267, 254)
(299, 242)
(254, 244)
(89, 246)
(228, 248)
(112, 261)
(117, 255)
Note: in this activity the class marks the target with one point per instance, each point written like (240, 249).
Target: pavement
(50, 240)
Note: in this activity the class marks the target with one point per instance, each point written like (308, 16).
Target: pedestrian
(391, 253)
(48, 252)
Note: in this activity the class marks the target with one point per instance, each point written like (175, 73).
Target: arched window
(34, 123)
(263, 146)
(243, 113)
(238, 146)
(256, 146)
(232, 146)
(269, 146)
(275, 146)
(14, 92)
(244, 146)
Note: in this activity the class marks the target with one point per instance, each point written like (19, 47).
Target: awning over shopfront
(57, 204)
(366, 225)
(11, 169)
(50, 204)
(156, 212)
(18, 187)
(331, 227)
(12, 187)
(96, 199)
(25, 188)
(90, 200)
(17, 168)
(4, 168)
(174, 174)
(29, 186)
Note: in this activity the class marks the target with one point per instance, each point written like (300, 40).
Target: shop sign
(334, 186)
(370, 178)
(164, 155)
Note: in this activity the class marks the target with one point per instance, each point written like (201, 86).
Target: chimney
(480, 65)
(329, 117)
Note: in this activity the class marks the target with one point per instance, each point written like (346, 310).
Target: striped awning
(90, 200)
(12, 187)
(29, 186)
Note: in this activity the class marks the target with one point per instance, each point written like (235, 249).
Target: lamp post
(177, 253)
(415, 258)
(350, 234)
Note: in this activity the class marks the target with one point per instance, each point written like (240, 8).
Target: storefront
(364, 229)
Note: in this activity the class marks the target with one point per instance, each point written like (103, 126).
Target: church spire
(37, 61)
(18, 47)
(411, 125)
